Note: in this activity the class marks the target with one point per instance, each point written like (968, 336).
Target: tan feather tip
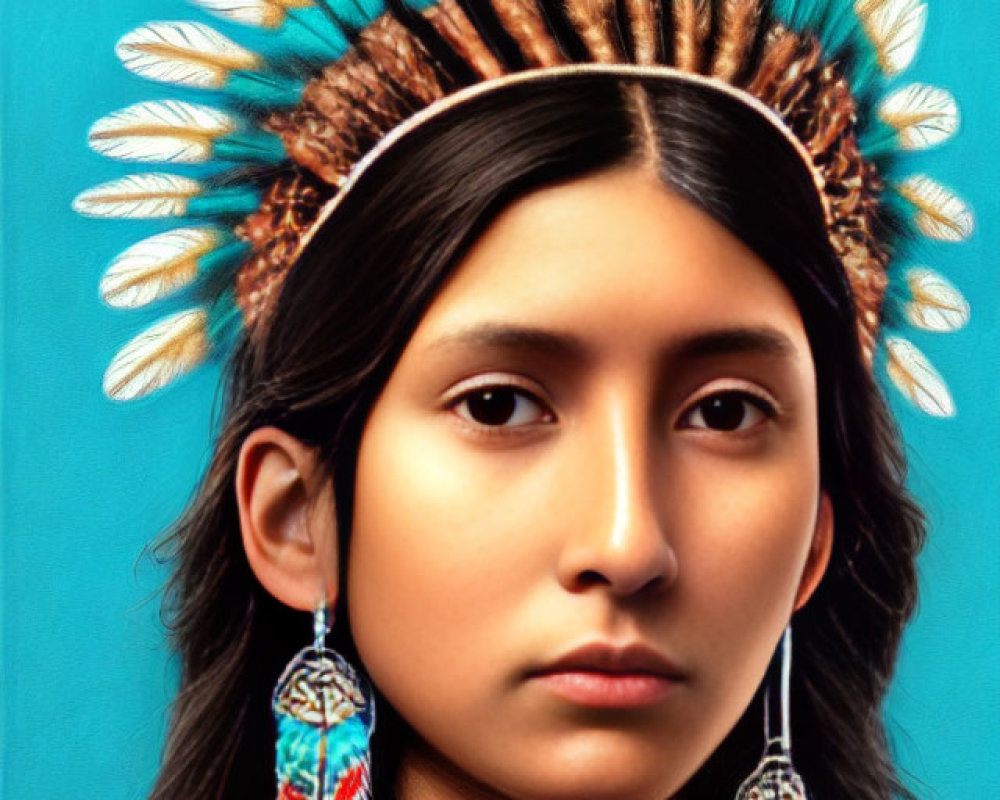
(917, 379)
(143, 196)
(924, 116)
(183, 53)
(935, 305)
(939, 213)
(896, 29)
(156, 267)
(158, 356)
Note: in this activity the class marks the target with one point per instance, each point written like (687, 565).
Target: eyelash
(759, 402)
(488, 385)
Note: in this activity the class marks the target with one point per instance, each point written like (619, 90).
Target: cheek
(433, 571)
(743, 539)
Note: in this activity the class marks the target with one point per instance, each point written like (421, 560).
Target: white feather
(148, 196)
(170, 131)
(937, 305)
(896, 28)
(940, 213)
(924, 115)
(917, 379)
(260, 13)
(183, 53)
(157, 266)
(156, 356)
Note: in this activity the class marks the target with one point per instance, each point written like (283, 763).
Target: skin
(607, 314)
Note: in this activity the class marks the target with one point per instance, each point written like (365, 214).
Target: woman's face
(586, 500)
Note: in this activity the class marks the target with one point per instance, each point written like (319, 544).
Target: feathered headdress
(350, 77)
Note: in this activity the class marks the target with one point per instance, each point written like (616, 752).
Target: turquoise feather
(894, 202)
(359, 14)
(264, 90)
(878, 141)
(312, 34)
(224, 321)
(863, 70)
(252, 146)
(841, 30)
(229, 202)
(799, 14)
(355, 14)
(225, 257)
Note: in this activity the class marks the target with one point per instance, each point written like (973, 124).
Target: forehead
(614, 258)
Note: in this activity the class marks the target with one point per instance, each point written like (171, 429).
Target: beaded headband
(349, 78)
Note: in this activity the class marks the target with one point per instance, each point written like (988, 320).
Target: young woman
(566, 411)
(592, 379)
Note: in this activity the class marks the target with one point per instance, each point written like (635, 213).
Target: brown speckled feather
(788, 73)
(524, 22)
(692, 25)
(816, 103)
(645, 27)
(594, 20)
(450, 21)
(779, 51)
(402, 62)
(275, 231)
(738, 26)
(357, 100)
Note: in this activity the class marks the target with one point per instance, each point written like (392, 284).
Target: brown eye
(500, 406)
(728, 411)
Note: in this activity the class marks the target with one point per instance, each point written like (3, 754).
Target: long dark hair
(347, 311)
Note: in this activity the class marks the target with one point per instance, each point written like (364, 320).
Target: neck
(424, 774)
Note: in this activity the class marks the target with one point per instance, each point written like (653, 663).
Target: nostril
(655, 585)
(591, 577)
(623, 585)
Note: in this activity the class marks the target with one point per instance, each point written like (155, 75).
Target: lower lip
(608, 689)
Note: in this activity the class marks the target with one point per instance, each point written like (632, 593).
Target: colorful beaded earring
(325, 716)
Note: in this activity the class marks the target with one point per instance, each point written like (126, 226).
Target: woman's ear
(287, 518)
(819, 552)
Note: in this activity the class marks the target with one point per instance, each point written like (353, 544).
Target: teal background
(85, 483)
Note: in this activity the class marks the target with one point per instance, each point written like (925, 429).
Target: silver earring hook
(321, 625)
(775, 775)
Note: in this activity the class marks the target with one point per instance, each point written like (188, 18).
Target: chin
(604, 787)
(603, 770)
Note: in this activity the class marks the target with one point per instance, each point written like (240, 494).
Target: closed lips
(607, 659)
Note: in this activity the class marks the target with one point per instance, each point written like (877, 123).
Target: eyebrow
(512, 337)
(727, 341)
(762, 340)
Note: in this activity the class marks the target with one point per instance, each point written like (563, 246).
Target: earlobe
(819, 552)
(287, 518)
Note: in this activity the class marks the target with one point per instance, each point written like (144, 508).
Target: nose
(619, 541)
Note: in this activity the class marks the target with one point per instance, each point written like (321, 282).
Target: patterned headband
(349, 78)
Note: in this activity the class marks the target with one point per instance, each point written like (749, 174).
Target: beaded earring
(325, 716)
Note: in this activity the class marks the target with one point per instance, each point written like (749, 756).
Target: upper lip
(601, 657)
